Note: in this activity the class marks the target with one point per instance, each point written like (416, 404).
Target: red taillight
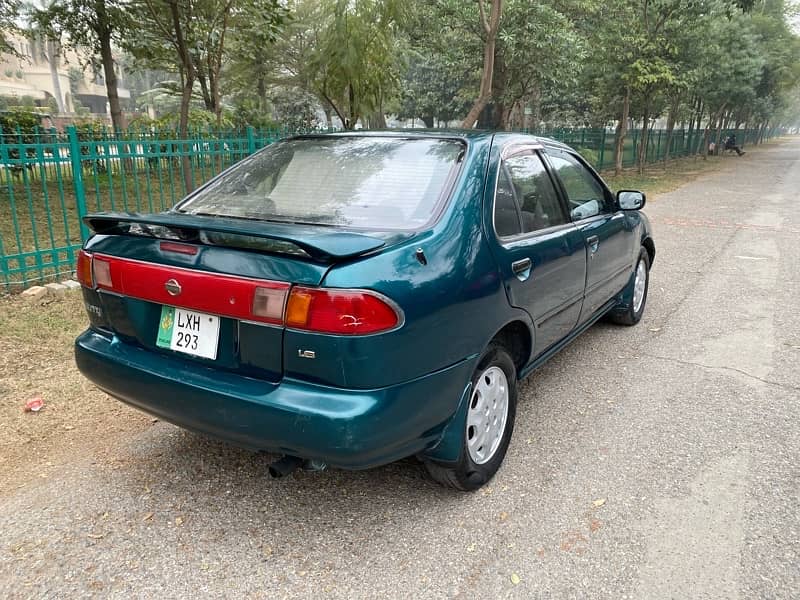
(83, 269)
(346, 312)
(178, 248)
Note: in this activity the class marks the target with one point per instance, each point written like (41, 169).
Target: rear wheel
(489, 424)
(638, 293)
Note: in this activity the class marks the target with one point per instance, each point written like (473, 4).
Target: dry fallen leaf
(515, 579)
(599, 502)
(178, 520)
(471, 548)
(147, 517)
(96, 536)
(503, 515)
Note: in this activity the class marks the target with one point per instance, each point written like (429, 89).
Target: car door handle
(522, 268)
(594, 243)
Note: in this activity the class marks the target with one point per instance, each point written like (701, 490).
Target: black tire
(629, 316)
(466, 475)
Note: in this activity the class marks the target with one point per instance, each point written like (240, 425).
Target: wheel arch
(650, 246)
(517, 337)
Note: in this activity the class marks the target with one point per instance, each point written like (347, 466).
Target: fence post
(77, 179)
(251, 140)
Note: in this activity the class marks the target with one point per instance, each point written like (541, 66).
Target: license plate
(188, 332)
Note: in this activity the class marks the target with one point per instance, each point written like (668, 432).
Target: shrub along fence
(49, 180)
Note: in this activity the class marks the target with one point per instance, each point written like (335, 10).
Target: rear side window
(367, 182)
(526, 200)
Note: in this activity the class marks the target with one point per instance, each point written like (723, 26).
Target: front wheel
(489, 424)
(638, 294)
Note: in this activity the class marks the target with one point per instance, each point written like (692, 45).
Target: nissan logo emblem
(173, 287)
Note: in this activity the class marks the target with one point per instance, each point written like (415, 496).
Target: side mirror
(630, 200)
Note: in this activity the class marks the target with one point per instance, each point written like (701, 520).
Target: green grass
(661, 178)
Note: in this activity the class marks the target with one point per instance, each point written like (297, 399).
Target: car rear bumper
(353, 429)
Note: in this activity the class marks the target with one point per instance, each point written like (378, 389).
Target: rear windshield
(364, 182)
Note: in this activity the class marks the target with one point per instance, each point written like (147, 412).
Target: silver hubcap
(486, 418)
(639, 286)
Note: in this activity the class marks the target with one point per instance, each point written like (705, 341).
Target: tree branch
(484, 22)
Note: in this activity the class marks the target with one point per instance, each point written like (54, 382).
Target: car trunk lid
(169, 271)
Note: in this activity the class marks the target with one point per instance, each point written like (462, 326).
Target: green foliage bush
(19, 119)
(199, 120)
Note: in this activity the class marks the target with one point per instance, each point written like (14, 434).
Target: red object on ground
(34, 404)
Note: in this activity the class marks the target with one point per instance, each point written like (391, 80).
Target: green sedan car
(354, 299)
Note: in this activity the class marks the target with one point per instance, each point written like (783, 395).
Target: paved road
(660, 461)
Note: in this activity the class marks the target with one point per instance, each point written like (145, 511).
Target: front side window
(585, 194)
(526, 200)
(364, 182)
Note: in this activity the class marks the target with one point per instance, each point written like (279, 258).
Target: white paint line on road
(751, 257)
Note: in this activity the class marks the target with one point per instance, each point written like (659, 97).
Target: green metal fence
(49, 180)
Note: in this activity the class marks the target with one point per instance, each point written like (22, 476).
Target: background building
(61, 79)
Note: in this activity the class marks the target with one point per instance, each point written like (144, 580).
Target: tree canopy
(701, 64)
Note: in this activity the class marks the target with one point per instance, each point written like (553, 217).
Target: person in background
(730, 144)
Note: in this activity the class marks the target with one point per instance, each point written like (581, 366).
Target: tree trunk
(188, 77)
(703, 146)
(378, 120)
(622, 129)
(328, 116)
(673, 110)
(107, 58)
(261, 90)
(352, 119)
(718, 138)
(536, 109)
(697, 119)
(53, 53)
(428, 121)
(645, 129)
(208, 101)
(183, 132)
(490, 27)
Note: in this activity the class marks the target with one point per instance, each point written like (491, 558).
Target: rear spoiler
(318, 243)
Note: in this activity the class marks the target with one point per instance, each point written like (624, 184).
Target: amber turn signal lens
(298, 307)
(83, 269)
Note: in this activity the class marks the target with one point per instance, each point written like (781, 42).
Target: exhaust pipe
(285, 466)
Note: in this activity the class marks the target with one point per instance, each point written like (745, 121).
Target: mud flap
(448, 449)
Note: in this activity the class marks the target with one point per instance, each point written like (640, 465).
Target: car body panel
(354, 429)
(552, 292)
(363, 400)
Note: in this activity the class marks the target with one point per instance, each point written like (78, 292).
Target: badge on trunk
(173, 287)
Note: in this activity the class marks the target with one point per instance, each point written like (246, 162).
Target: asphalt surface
(659, 461)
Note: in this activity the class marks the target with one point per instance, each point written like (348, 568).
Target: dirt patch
(36, 359)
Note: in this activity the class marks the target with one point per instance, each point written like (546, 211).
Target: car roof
(470, 135)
